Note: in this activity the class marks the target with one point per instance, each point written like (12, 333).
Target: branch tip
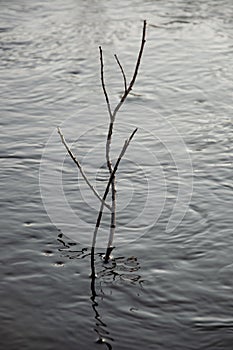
(133, 133)
(123, 73)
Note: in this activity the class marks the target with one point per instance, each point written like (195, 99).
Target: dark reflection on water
(103, 276)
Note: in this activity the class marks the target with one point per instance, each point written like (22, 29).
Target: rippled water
(164, 289)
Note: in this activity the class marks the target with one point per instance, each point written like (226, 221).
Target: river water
(169, 284)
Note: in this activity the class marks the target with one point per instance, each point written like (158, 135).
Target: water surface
(165, 289)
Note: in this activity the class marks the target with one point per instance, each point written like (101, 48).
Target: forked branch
(124, 148)
(112, 169)
(131, 84)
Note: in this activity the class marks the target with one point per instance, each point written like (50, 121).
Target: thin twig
(110, 128)
(129, 88)
(124, 148)
(81, 169)
(113, 183)
(122, 71)
(103, 83)
(112, 231)
(108, 146)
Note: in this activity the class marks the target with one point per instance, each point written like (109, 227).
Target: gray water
(164, 289)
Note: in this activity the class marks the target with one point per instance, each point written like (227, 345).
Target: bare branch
(122, 71)
(109, 136)
(139, 57)
(129, 88)
(103, 83)
(124, 148)
(132, 135)
(108, 144)
(75, 160)
(112, 231)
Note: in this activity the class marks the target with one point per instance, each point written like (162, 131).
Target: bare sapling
(111, 184)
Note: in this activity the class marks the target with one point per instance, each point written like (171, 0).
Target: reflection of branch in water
(117, 270)
(100, 328)
(70, 251)
(121, 269)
